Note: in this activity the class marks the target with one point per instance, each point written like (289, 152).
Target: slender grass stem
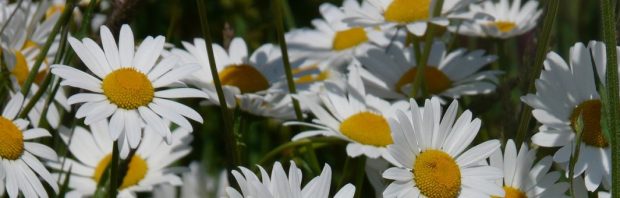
(64, 19)
(611, 104)
(17, 7)
(279, 10)
(541, 52)
(231, 143)
(293, 144)
(114, 171)
(418, 82)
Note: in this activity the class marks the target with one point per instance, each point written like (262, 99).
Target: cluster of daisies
(356, 72)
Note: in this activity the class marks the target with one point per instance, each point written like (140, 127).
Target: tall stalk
(279, 10)
(612, 104)
(542, 47)
(64, 19)
(231, 143)
(418, 82)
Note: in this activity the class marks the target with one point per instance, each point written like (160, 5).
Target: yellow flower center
(503, 26)
(54, 9)
(406, 11)
(512, 193)
(312, 78)
(11, 140)
(349, 38)
(367, 128)
(136, 171)
(128, 88)
(437, 175)
(21, 70)
(435, 81)
(245, 77)
(592, 133)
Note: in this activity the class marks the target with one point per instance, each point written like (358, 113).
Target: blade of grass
(611, 103)
(279, 11)
(63, 21)
(542, 48)
(114, 172)
(418, 82)
(575, 156)
(234, 157)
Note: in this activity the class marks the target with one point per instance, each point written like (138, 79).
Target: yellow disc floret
(367, 128)
(11, 140)
(136, 171)
(128, 88)
(437, 175)
(349, 38)
(21, 70)
(590, 112)
(407, 11)
(245, 77)
(512, 193)
(435, 81)
(503, 26)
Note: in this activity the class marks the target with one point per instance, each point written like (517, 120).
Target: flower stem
(64, 19)
(279, 10)
(541, 52)
(611, 104)
(114, 172)
(290, 145)
(418, 82)
(231, 143)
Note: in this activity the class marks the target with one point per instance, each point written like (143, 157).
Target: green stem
(418, 82)
(612, 104)
(278, 9)
(354, 172)
(231, 143)
(541, 52)
(64, 19)
(114, 171)
(290, 145)
(17, 8)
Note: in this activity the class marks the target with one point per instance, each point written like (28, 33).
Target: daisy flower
(350, 114)
(256, 84)
(432, 157)
(332, 41)
(564, 91)
(505, 20)
(524, 179)
(21, 48)
(20, 170)
(450, 74)
(393, 14)
(147, 168)
(129, 87)
(279, 185)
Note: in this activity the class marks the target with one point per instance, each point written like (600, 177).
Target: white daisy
(196, 183)
(352, 115)
(20, 169)
(448, 74)
(279, 185)
(129, 89)
(432, 157)
(414, 15)
(21, 48)
(563, 92)
(505, 20)
(332, 41)
(256, 84)
(524, 179)
(147, 168)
